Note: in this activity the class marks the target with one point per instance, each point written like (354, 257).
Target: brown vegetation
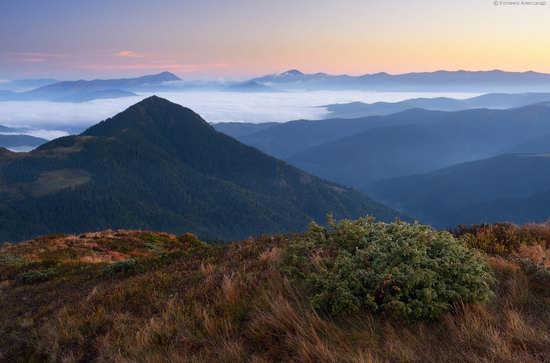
(152, 297)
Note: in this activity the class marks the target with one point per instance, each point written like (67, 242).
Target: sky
(68, 39)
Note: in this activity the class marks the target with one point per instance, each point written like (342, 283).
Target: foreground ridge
(142, 295)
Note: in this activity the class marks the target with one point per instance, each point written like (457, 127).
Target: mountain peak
(292, 72)
(155, 104)
(151, 115)
(167, 76)
(154, 99)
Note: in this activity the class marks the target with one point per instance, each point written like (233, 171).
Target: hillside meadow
(411, 294)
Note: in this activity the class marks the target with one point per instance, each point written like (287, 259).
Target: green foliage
(189, 239)
(538, 272)
(35, 276)
(405, 270)
(9, 260)
(121, 267)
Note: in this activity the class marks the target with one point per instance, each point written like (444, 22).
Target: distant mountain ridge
(104, 84)
(250, 86)
(82, 90)
(506, 188)
(291, 80)
(286, 139)
(22, 85)
(360, 151)
(158, 165)
(536, 145)
(241, 129)
(491, 100)
(20, 141)
(471, 81)
(419, 141)
(16, 139)
(294, 136)
(95, 95)
(445, 168)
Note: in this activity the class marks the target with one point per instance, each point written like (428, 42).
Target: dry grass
(186, 302)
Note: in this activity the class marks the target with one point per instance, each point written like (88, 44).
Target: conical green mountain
(158, 165)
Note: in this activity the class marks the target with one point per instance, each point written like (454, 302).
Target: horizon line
(283, 72)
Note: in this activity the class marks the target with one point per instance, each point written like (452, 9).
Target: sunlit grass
(185, 301)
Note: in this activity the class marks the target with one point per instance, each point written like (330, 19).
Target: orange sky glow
(214, 38)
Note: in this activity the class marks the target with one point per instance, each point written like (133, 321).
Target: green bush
(35, 276)
(190, 240)
(405, 270)
(538, 272)
(120, 267)
(9, 260)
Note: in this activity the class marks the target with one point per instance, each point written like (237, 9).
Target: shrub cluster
(406, 270)
(121, 267)
(503, 238)
(498, 238)
(35, 276)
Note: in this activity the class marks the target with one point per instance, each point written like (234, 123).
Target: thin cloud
(129, 54)
(29, 57)
(184, 68)
(124, 60)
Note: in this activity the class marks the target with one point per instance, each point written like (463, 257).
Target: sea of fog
(54, 119)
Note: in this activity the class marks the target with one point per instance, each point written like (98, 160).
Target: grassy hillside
(144, 296)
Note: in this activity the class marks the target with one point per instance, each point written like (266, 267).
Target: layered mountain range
(463, 81)
(389, 150)
(444, 168)
(83, 90)
(17, 139)
(490, 100)
(158, 165)
(510, 187)
(294, 80)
